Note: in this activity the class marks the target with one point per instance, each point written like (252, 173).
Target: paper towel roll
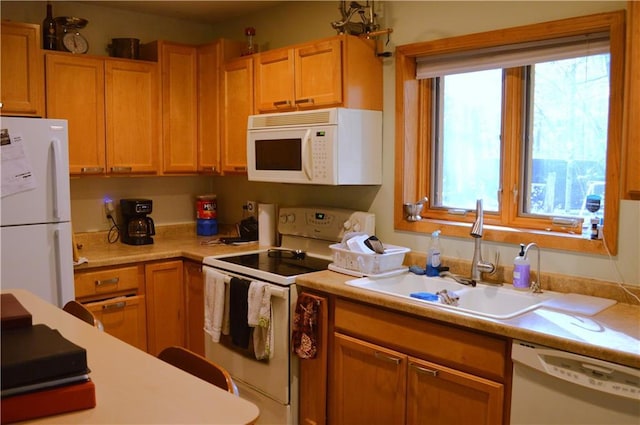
(267, 225)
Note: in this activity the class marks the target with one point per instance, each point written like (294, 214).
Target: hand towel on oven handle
(305, 326)
(259, 318)
(239, 311)
(214, 303)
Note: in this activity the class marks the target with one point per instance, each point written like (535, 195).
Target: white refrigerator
(35, 209)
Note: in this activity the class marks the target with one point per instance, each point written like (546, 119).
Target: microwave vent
(280, 120)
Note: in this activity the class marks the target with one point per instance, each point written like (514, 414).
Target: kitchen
(411, 21)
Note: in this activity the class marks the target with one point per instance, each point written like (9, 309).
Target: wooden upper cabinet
(318, 74)
(211, 59)
(112, 109)
(632, 116)
(274, 80)
(22, 73)
(75, 92)
(338, 71)
(237, 89)
(132, 116)
(179, 82)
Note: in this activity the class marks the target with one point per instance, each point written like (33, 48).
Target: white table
(134, 387)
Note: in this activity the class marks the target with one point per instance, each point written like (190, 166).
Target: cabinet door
(368, 382)
(238, 105)
(124, 318)
(440, 395)
(209, 101)
(274, 80)
(132, 116)
(75, 92)
(632, 157)
(165, 305)
(22, 73)
(179, 108)
(318, 74)
(194, 302)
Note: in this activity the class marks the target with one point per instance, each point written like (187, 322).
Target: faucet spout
(477, 228)
(478, 265)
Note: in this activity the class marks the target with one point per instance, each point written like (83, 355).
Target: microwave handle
(307, 162)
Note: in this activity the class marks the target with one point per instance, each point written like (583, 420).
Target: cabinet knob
(92, 170)
(112, 281)
(282, 103)
(381, 356)
(308, 100)
(424, 370)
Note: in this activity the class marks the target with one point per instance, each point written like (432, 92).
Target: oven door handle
(274, 290)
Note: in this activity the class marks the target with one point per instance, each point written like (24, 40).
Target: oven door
(270, 377)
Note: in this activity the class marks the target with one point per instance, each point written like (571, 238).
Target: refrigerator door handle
(58, 261)
(58, 153)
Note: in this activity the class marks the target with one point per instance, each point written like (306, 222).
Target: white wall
(294, 22)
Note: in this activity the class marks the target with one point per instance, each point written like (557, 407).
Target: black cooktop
(279, 265)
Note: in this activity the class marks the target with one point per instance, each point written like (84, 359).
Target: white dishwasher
(557, 387)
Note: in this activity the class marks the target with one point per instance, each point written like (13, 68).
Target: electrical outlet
(109, 210)
(251, 207)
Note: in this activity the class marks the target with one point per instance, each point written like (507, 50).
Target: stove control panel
(324, 223)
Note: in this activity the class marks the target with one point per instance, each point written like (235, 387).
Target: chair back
(81, 312)
(199, 366)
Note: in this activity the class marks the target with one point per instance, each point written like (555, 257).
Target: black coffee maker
(136, 228)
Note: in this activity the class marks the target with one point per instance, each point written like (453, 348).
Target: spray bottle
(521, 269)
(433, 256)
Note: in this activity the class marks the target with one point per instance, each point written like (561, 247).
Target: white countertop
(133, 386)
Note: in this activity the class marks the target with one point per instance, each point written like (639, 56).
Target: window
(531, 125)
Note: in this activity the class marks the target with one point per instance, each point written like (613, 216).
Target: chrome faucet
(478, 265)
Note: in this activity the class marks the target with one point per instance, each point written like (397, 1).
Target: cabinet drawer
(123, 317)
(108, 282)
(465, 350)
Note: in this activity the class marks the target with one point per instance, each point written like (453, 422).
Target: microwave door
(307, 157)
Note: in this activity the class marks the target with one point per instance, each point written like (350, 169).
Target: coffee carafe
(137, 227)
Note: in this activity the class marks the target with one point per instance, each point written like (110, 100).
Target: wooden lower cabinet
(194, 305)
(387, 367)
(369, 383)
(124, 318)
(440, 395)
(165, 305)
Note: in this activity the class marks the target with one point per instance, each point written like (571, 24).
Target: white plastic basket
(369, 264)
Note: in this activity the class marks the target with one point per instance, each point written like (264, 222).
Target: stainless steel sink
(497, 302)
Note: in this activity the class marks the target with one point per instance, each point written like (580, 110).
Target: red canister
(206, 207)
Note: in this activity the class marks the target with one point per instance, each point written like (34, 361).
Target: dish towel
(238, 312)
(214, 303)
(305, 327)
(259, 317)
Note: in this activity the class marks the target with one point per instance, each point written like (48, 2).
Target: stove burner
(279, 265)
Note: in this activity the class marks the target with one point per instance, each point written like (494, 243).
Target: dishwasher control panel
(581, 370)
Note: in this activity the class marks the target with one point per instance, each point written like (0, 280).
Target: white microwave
(334, 146)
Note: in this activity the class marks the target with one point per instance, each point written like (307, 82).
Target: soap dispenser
(521, 269)
(433, 256)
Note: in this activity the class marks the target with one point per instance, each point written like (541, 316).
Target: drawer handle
(308, 100)
(282, 103)
(381, 356)
(424, 370)
(112, 281)
(115, 306)
(92, 170)
(121, 169)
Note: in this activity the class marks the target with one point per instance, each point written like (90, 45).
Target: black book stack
(43, 373)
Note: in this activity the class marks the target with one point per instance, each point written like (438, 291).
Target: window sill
(508, 235)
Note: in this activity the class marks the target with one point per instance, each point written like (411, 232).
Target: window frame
(413, 155)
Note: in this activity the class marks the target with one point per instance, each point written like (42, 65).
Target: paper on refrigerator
(17, 175)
